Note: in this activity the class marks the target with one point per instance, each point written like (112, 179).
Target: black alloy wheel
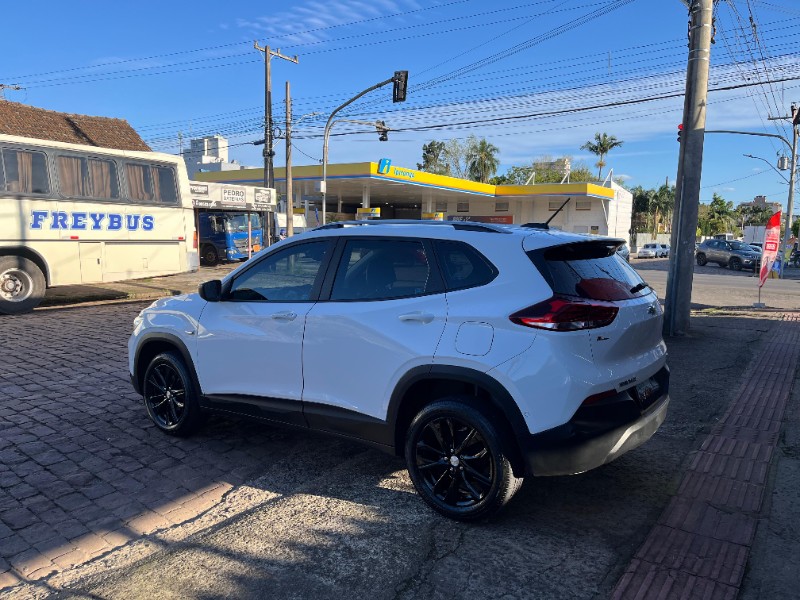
(735, 263)
(701, 259)
(457, 462)
(169, 395)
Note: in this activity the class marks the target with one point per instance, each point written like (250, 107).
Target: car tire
(701, 259)
(458, 460)
(22, 285)
(735, 264)
(210, 255)
(170, 395)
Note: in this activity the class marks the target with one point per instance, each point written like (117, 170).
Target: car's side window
(385, 269)
(285, 276)
(463, 266)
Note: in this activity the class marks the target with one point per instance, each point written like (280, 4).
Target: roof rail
(536, 225)
(459, 225)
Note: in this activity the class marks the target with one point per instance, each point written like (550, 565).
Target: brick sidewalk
(700, 544)
(82, 469)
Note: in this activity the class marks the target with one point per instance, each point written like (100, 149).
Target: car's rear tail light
(566, 314)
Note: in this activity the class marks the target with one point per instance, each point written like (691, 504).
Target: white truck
(298, 222)
(754, 234)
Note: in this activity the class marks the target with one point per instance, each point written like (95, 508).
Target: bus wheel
(210, 256)
(22, 285)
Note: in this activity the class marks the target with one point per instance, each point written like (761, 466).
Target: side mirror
(210, 291)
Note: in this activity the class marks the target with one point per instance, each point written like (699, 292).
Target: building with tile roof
(37, 123)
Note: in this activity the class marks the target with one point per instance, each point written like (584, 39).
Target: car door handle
(284, 316)
(421, 317)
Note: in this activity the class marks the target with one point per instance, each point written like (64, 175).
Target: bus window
(167, 192)
(24, 172)
(103, 174)
(151, 184)
(87, 178)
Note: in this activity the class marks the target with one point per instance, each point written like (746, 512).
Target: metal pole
(690, 164)
(289, 198)
(792, 178)
(326, 135)
(268, 174)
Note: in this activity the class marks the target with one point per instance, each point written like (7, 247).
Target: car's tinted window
(381, 270)
(589, 270)
(285, 276)
(740, 246)
(463, 266)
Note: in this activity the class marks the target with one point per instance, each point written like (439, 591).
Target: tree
(662, 204)
(642, 211)
(750, 214)
(601, 146)
(514, 176)
(546, 170)
(482, 161)
(455, 157)
(719, 217)
(434, 158)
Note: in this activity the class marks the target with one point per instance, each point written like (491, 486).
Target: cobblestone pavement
(82, 470)
(85, 477)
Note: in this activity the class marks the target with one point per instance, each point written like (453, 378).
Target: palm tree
(663, 203)
(482, 161)
(601, 146)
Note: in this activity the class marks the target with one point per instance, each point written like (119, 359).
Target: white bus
(80, 214)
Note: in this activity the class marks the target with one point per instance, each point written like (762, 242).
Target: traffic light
(383, 131)
(400, 84)
(680, 131)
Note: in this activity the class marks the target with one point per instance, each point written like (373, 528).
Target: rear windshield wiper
(639, 287)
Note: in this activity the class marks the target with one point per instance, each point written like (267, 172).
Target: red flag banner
(772, 242)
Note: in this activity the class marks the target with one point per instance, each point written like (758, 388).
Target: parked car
(624, 252)
(649, 251)
(480, 353)
(663, 250)
(733, 254)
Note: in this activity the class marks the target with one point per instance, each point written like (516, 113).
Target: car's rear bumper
(592, 453)
(598, 434)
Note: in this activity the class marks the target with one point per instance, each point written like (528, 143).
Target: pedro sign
(772, 242)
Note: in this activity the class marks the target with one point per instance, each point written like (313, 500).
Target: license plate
(647, 391)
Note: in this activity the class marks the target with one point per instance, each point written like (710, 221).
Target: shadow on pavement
(344, 520)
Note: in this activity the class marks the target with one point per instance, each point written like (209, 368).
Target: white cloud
(308, 22)
(623, 177)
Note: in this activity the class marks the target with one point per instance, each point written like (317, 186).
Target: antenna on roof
(546, 224)
(558, 211)
(5, 86)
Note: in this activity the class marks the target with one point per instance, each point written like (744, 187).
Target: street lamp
(770, 164)
(792, 165)
(400, 81)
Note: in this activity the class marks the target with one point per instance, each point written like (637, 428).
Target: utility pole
(690, 167)
(289, 199)
(269, 178)
(795, 118)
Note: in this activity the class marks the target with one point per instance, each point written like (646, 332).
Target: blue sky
(524, 74)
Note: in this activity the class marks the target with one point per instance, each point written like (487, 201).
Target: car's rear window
(591, 270)
(462, 266)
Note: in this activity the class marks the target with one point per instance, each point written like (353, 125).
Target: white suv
(480, 353)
